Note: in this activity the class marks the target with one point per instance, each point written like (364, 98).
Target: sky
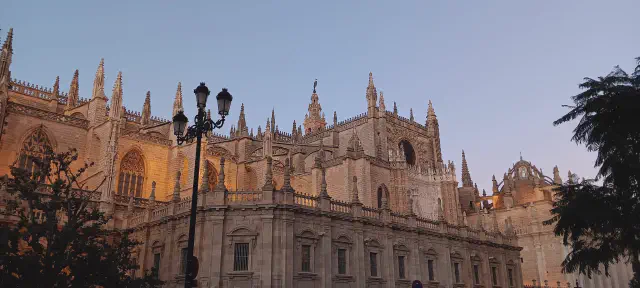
(497, 72)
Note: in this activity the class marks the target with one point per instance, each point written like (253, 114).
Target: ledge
(239, 274)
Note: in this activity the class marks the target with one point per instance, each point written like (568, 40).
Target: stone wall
(278, 230)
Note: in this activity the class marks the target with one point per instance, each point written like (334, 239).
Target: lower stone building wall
(543, 252)
(277, 239)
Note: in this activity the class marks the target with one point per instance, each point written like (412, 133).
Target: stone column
(357, 265)
(212, 256)
(325, 249)
(266, 269)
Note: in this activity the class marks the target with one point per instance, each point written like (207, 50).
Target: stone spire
(176, 188)
(146, 109)
(335, 119)
(72, 98)
(56, 88)
(354, 193)
(273, 119)
(116, 99)
(294, 132)
(381, 105)
(494, 184)
(220, 186)
(314, 120)
(556, 176)
(372, 95)
(98, 82)
(204, 187)
(411, 115)
(259, 136)
(569, 177)
(6, 54)
(251, 133)
(242, 124)
(395, 109)
(267, 144)
(466, 176)
(299, 130)
(177, 101)
(268, 176)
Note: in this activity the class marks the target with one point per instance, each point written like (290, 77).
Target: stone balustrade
(333, 208)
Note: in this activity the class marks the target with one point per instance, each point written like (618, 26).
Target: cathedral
(366, 201)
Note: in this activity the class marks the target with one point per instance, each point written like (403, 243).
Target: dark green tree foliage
(601, 223)
(60, 239)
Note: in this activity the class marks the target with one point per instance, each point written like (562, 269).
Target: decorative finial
(323, 184)
(354, 195)
(268, 176)
(176, 188)
(411, 114)
(220, 186)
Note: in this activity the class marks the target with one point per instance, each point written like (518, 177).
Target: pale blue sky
(496, 71)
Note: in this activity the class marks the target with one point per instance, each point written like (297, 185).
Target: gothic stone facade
(523, 199)
(362, 202)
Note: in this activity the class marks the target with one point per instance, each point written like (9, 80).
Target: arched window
(382, 193)
(409, 153)
(33, 147)
(131, 177)
(212, 177)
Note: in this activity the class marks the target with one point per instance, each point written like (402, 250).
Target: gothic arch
(410, 155)
(132, 174)
(34, 144)
(383, 192)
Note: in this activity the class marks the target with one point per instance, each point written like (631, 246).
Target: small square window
(373, 261)
(306, 258)
(342, 261)
(401, 267)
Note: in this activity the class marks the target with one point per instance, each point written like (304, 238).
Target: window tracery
(33, 147)
(131, 177)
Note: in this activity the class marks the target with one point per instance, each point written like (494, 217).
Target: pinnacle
(466, 176)
(9, 42)
(148, 97)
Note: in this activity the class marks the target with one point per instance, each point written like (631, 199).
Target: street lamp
(202, 125)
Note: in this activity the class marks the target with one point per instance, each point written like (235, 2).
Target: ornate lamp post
(202, 125)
